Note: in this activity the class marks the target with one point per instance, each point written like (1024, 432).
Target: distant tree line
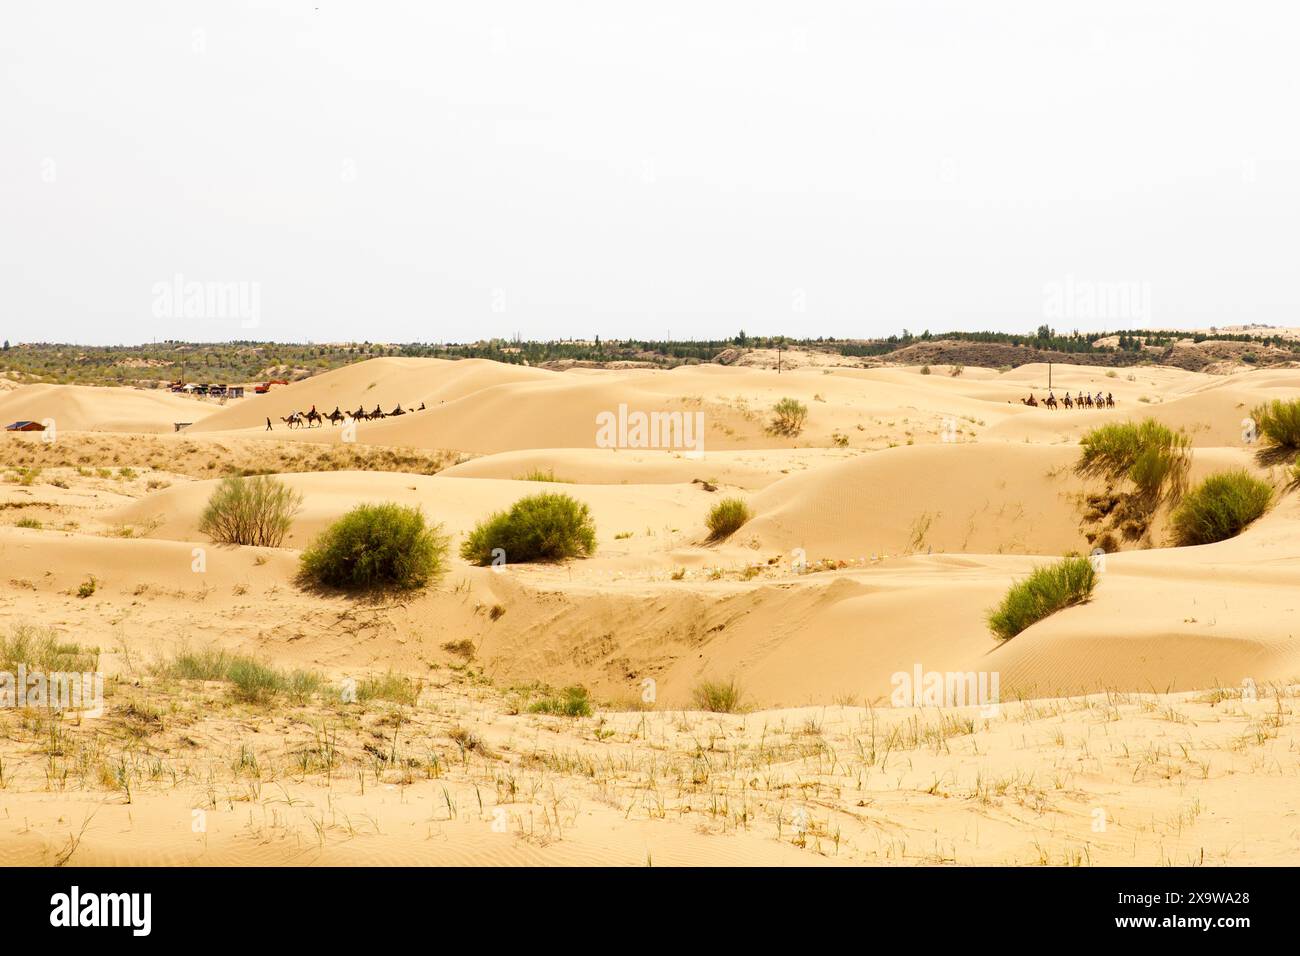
(250, 361)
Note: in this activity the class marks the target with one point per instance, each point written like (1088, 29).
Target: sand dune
(915, 500)
(747, 470)
(88, 408)
(386, 382)
(960, 497)
(456, 503)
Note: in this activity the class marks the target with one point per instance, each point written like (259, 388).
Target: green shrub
(1151, 455)
(389, 686)
(719, 697)
(1047, 590)
(545, 527)
(1279, 422)
(254, 511)
(1221, 507)
(788, 417)
(726, 517)
(377, 546)
(252, 680)
(208, 664)
(537, 474)
(571, 702)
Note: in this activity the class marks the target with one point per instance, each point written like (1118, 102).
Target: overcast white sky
(449, 171)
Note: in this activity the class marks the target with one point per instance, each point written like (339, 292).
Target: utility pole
(1049, 375)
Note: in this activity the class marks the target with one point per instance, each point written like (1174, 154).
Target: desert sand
(882, 533)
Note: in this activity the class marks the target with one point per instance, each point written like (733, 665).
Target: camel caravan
(1082, 400)
(314, 419)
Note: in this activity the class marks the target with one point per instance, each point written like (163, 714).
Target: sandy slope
(456, 504)
(89, 408)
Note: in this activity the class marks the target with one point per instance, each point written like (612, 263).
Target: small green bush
(788, 417)
(545, 527)
(389, 686)
(252, 511)
(1151, 455)
(377, 546)
(1279, 422)
(726, 517)
(1221, 507)
(719, 697)
(1047, 590)
(571, 702)
(208, 664)
(252, 680)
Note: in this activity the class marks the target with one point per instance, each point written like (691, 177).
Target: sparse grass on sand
(1221, 507)
(537, 474)
(377, 546)
(717, 696)
(41, 648)
(545, 527)
(726, 518)
(389, 686)
(251, 680)
(205, 458)
(570, 702)
(1047, 590)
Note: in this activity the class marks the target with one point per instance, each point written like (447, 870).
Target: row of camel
(1084, 400)
(313, 418)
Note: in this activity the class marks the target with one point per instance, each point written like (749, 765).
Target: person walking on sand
(268, 424)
